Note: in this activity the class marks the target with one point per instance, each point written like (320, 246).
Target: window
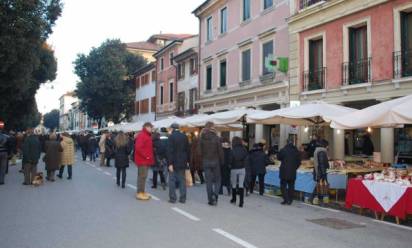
(171, 59)
(193, 66)
(209, 29)
(267, 56)
(209, 77)
(153, 105)
(406, 43)
(267, 4)
(246, 65)
(181, 70)
(153, 75)
(358, 55)
(171, 92)
(144, 106)
(223, 73)
(161, 95)
(223, 20)
(315, 76)
(181, 102)
(162, 66)
(137, 82)
(246, 10)
(192, 98)
(136, 107)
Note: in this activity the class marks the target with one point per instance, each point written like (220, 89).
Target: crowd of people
(175, 157)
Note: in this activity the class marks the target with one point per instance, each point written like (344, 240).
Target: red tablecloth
(357, 194)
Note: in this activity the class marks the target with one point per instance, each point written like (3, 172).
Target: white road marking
(392, 224)
(107, 173)
(234, 238)
(186, 214)
(131, 186)
(154, 197)
(327, 209)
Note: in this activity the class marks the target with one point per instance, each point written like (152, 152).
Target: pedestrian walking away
(290, 162)
(31, 156)
(160, 155)
(122, 151)
(52, 156)
(67, 156)
(144, 159)
(4, 154)
(92, 145)
(212, 157)
(196, 161)
(83, 143)
(225, 168)
(239, 160)
(102, 148)
(320, 173)
(258, 163)
(178, 155)
(109, 149)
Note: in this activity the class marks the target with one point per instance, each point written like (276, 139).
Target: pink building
(352, 52)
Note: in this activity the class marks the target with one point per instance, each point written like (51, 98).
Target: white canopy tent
(316, 113)
(386, 114)
(168, 122)
(224, 118)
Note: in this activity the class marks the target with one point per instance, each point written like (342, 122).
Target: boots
(241, 195)
(233, 201)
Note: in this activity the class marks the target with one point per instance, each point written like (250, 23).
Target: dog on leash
(38, 179)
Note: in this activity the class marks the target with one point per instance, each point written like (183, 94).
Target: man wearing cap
(143, 158)
(178, 158)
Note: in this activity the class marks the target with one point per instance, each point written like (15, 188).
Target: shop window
(267, 4)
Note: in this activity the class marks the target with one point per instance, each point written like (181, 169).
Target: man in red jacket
(143, 158)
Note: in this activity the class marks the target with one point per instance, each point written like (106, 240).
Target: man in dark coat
(4, 154)
(212, 157)
(31, 156)
(178, 157)
(289, 156)
(52, 159)
(83, 140)
(92, 145)
(258, 162)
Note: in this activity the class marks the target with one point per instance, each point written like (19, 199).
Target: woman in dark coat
(109, 149)
(225, 167)
(196, 160)
(122, 149)
(290, 162)
(258, 162)
(52, 157)
(160, 153)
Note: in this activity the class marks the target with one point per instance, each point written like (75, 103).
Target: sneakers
(142, 196)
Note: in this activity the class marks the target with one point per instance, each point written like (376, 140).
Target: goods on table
(392, 175)
(307, 164)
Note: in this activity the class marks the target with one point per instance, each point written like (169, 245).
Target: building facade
(66, 101)
(145, 102)
(243, 56)
(79, 121)
(166, 85)
(187, 81)
(351, 52)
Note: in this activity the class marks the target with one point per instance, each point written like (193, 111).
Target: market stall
(386, 193)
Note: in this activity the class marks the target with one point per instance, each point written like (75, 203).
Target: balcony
(303, 4)
(356, 72)
(314, 79)
(402, 64)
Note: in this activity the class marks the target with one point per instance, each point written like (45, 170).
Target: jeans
(288, 189)
(162, 178)
(141, 178)
(177, 177)
(237, 177)
(30, 171)
(121, 171)
(69, 171)
(84, 153)
(108, 162)
(212, 183)
(3, 166)
(261, 178)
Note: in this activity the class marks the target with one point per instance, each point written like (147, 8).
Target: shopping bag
(188, 176)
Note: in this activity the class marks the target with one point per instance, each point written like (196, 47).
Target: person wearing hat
(178, 157)
(290, 162)
(144, 159)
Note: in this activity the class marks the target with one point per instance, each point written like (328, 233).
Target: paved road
(91, 211)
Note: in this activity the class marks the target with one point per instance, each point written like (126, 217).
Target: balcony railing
(402, 64)
(314, 79)
(356, 72)
(306, 3)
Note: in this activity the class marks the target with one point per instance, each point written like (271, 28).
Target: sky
(87, 23)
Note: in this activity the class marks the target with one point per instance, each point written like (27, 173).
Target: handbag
(188, 177)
